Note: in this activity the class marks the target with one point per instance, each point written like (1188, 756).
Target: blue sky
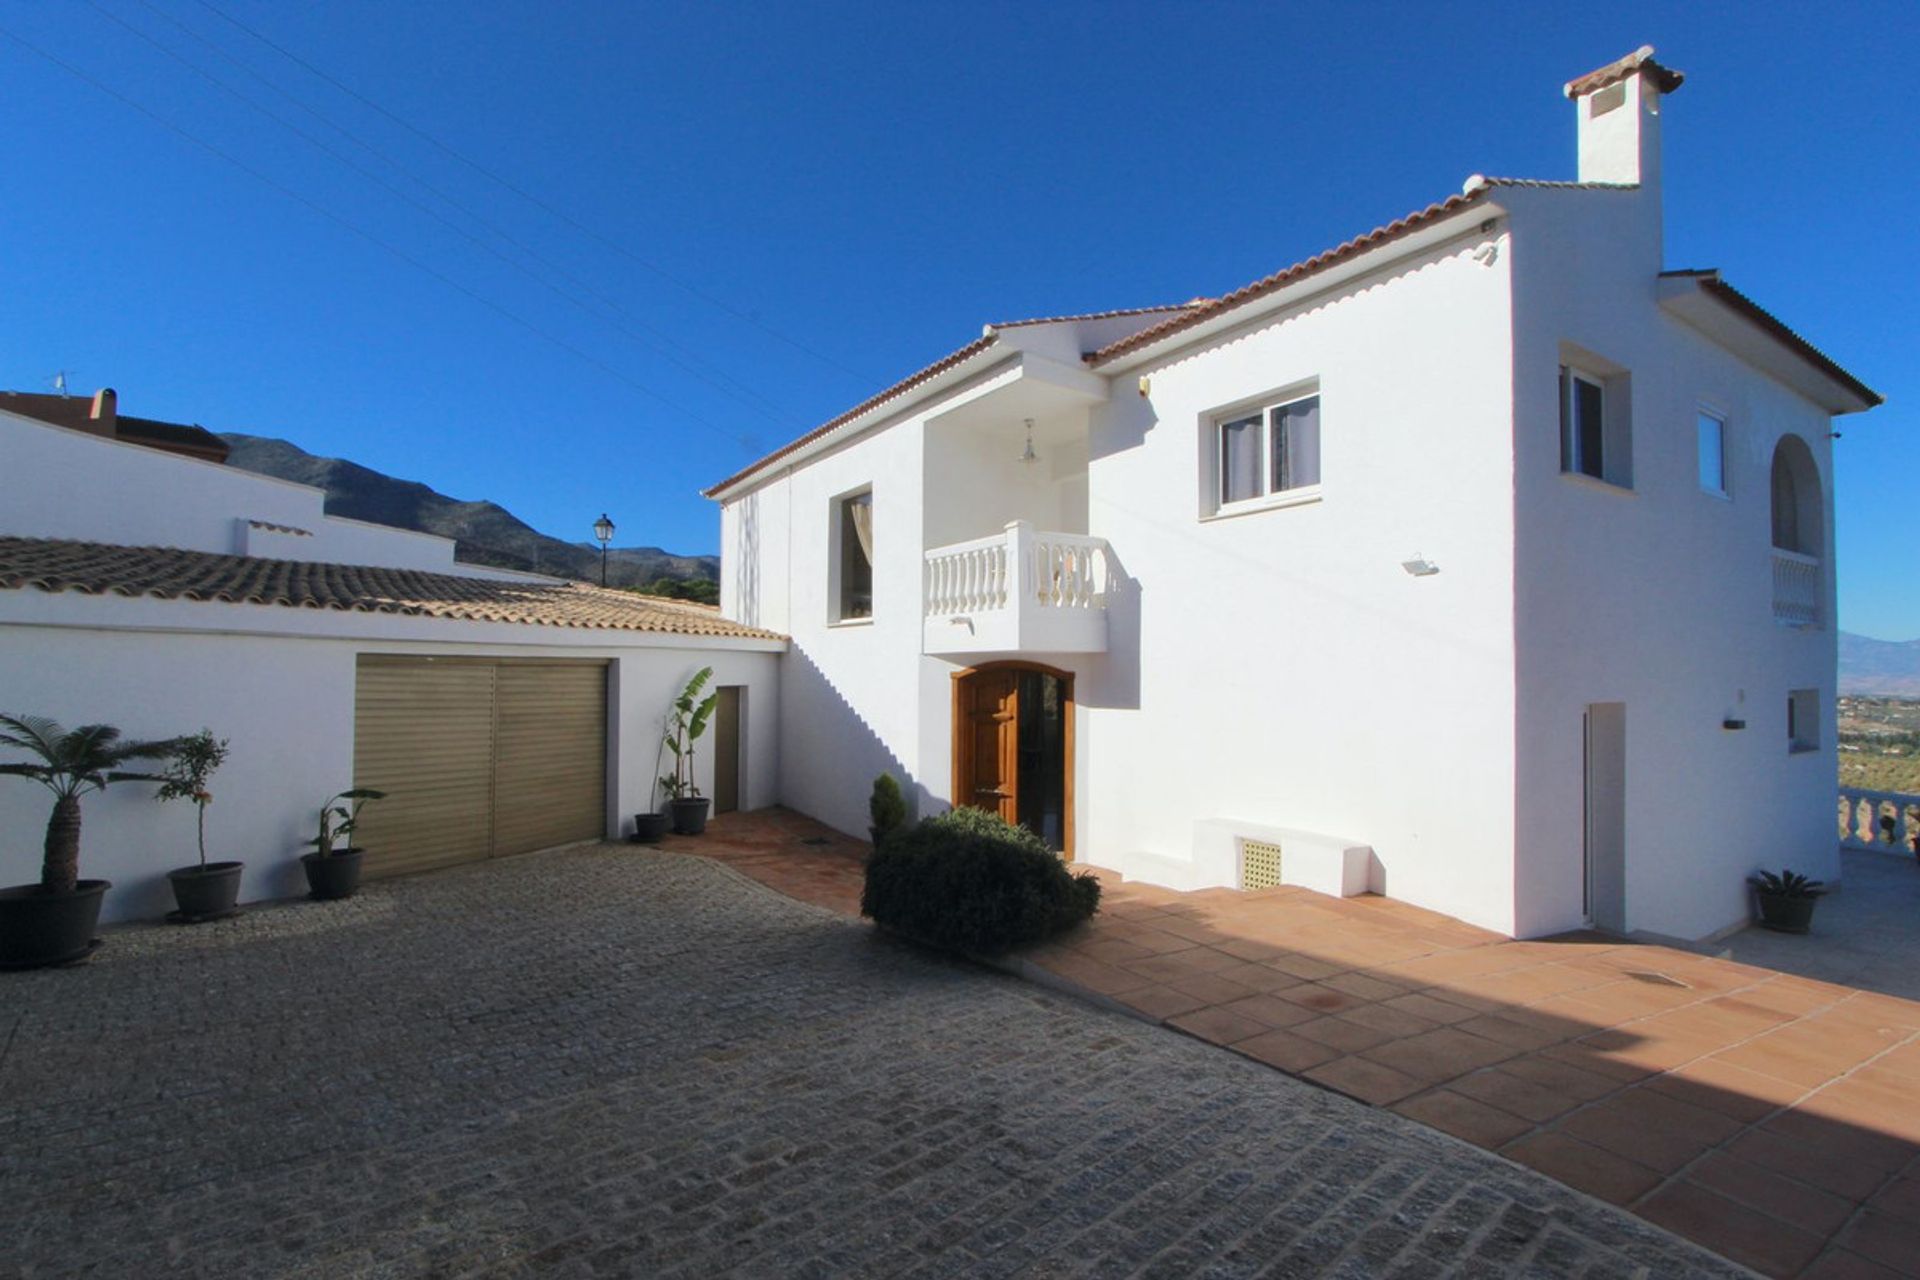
(792, 205)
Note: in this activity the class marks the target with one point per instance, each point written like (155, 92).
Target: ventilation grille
(1259, 864)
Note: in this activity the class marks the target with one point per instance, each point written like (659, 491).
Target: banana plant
(686, 722)
(70, 763)
(337, 820)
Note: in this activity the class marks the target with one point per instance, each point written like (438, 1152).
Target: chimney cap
(1663, 78)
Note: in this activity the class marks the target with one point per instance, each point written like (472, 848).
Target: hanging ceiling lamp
(1027, 454)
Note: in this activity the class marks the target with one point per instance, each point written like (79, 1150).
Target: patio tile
(1161, 1002)
(1734, 1091)
(1393, 1021)
(1465, 1118)
(1845, 1264)
(1819, 1165)
(1746, 1235)
(1211, 988)
(1304, 967)
(1286, 1051)
(1430, 1005)
(1182, 964)
(1367, 1081)
(1440, 1054)
(1270, 1011)
(1318, 997)
(1650, 1128)
(1584, 1166)
(1889, 1241)
(1496, 1087)
(1259, 977)
(1900, 1198)
(1365, 987)
(1338, 1032)
(1566, 1076)
(1101, 979)
(1788, 1199)
(1520, 1030)
(1216, 1025)
(1799, 1055)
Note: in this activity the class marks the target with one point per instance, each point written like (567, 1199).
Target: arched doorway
(1013, 746)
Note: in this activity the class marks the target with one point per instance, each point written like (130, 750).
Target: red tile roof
(1665, 79)
(1709, 280)
(1099, 315)
(1290, 275)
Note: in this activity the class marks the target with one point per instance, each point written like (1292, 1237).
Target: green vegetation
(698, 590)
(968, 881)
(886, 807)
(1879, 743)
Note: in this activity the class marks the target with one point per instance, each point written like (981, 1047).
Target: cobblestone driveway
(599, 1062)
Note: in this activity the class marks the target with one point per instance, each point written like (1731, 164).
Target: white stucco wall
(1660, 597)
(279, 684)
(99, 490)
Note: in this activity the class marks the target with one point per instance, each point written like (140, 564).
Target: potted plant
(335, 873)
(1786, 900)
(886, 808)
(52, 922)
(208, 891)
(649, 827)
(686, 721)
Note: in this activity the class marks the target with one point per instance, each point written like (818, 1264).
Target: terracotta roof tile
(899, 388)
(1549, 184)
(1665, 79)
(1710, 281)
(166, 573)
(1099, 315)
(1280, 279)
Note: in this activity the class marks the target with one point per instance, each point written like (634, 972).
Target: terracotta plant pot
(38, 928)
(335, 876)
(205, 893)
(648, 828)
(689, 815)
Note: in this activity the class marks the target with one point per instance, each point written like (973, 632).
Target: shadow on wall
(829, 755)
(1112, 679)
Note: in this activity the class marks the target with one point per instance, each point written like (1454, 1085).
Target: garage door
(479, 758)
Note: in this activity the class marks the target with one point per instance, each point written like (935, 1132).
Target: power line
(532, 199)
(718, 379)
(370, 237)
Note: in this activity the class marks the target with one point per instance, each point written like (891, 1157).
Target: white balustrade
(1879, 820)
(1797, 589)
(1020, 566)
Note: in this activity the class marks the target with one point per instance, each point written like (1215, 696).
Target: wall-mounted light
(1146, 386)
(1027, 454)
(1420, 566)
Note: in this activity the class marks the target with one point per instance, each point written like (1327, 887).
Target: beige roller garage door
(479, 758)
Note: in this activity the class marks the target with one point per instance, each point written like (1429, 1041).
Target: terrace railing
(1797, 589)
(1879, 820)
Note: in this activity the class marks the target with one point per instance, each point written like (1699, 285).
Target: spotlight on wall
(1420, 566)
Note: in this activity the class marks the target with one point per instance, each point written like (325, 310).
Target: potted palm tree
(208, 891)
(335, 873)
(52, 922)
(1786, 900)
(686, 721)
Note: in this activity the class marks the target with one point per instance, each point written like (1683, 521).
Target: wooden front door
(990, 743)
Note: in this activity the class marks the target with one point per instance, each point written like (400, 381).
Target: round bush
(969, 881)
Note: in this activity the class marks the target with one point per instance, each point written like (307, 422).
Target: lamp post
(603, 530)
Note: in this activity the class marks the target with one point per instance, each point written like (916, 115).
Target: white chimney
(1619, 119)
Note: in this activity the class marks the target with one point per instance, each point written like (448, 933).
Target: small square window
(1711, 430)
(1596, 428)
(1266, 452)
(1803, 720)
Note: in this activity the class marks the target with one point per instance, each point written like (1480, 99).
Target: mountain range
(1883, 668)
(483, 532)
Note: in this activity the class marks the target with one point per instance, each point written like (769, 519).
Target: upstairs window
(1711, 432)
(1596, 438)
(1268, 452)
(853, 557)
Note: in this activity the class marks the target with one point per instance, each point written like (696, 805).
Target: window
(1269, 451)
(1711, 430)
(1596, 438)
(853, 556)
(1803, 720)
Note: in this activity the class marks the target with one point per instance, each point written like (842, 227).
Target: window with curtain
(856, 556)
(1268, 451)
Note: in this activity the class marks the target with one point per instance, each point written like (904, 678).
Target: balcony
(1019, 591)
(1797, 589)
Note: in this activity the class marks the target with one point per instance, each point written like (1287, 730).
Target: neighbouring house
(1483, 561)
(145, 585)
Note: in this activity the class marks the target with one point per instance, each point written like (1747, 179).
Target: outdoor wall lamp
(1420, 566)
(603, 530)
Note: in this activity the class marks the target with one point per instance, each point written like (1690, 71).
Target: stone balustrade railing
(1019, 565)
(1879, 820)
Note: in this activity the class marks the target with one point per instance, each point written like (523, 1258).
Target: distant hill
(1885, 668)
(483, 532)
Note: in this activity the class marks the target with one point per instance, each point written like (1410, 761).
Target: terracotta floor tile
(1394, 1022)
(1304, 967)
(1286, 1051)
(1734, 1091)
(1246, 949)
(1577, 1053)
(1900, 1198)
(1270, 1011)
(1520, 1031)
(1496, 1087)
(1430, 1005)
(1867, 1148)
(1649, 1052)
(1788, 1199)
(1259, 977)
(1183, 964)
(1101, 979)
(1217, 1026)
(1745, 1235)
(1880, 1104)
(1583, 1166)
(1212, 988)
(1441, 1054)
(1886, 1240)
(1367, 1081)
(1161, 1002)
(1650, 1128)
(1339, 1032)
(1818, 1165)
(1365, 986)
(1112, 950)
(1793, 1054)
(1465, 1118)
(1845, 1264)
(1319, 997)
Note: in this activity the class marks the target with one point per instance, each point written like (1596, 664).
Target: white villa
(1483, 561)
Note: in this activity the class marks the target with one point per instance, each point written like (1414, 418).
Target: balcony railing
(1879, 820)
(1797, 589)
(1020, 589)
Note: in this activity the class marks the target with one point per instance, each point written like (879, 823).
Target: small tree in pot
(686, 721)
(208, 891)
(331, 872)
(886, 808)
(1786, 900)
(52, 922)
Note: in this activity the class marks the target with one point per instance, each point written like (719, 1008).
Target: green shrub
(968, 881)
(886, 808)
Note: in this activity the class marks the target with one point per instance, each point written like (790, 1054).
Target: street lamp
(603, 530)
